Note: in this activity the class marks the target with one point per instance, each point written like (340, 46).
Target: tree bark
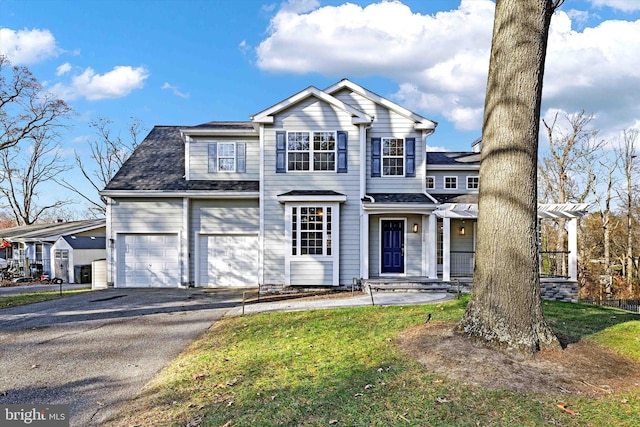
(505, 311)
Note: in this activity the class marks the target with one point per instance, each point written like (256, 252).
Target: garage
(148, 260)
(228, 260)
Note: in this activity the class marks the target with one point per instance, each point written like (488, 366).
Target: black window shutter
(410, 154)
(213, 157)
(241, 157)
(281, 152)
(375, 157)
(342, 151)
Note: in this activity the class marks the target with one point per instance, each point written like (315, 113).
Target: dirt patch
(582, 368)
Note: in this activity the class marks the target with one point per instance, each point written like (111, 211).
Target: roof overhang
(267, 116)
(217, 132)
(386, 208)
(301, 198)
(189, 194)
(421, 123)
(457, 167)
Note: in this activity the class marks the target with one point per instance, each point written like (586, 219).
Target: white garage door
(228, 260)
(148, 260)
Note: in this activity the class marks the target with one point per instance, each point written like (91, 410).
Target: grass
(33, 297)
(341, 367)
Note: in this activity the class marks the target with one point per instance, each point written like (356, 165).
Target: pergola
(568, 211)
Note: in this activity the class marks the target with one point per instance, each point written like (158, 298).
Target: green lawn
(33, 297)
(342, 367)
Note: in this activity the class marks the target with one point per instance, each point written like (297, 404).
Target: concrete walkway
(379, 298)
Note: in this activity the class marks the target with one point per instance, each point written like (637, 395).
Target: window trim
(383, 157)
(236, 156)
(455, 178)
(327, 230)
(477, 178)
(311, 151)
(433, 178)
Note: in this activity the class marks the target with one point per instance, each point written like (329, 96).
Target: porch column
(446, 249)
(572, 243)
(432, 245)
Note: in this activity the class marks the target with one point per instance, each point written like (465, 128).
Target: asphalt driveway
(95, 351)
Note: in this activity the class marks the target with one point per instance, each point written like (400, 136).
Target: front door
(392, 247)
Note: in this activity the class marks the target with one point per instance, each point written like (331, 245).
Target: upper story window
(431, 182)
(473, 182)
(311, 151)
(451, 182)
(304, 146)
(392, 157)
(227, 157)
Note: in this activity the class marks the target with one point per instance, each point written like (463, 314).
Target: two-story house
(322, 188)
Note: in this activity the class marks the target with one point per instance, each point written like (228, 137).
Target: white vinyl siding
(388, 124)
(200, 168)
(136, 226)
(311, 114)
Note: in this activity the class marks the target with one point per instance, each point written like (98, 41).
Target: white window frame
(311, 151)
(455, 182)
(395, 156)
(219, 157)
(475, 178)
(433, 181)
(335, 236)
(296, 232)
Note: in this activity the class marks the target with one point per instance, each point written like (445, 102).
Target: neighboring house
(323, 188)
(30, 253)
(77, 252)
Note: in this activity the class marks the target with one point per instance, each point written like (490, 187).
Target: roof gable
(267, 116)
(421, 123)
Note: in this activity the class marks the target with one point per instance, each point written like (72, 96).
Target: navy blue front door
(392, 246)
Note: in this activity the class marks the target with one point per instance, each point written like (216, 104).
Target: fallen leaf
(368, 386)
(333, 422)
(358, 395)
(442, 400)
(198, 376)
(230, 403)
(563, 408)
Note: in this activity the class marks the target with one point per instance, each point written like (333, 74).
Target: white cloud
(117, 83)
(175, 90)
(623, 5)
(440, 61)
(63, 69)
(24, 47)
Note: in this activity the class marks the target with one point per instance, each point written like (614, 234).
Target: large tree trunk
(505, 311)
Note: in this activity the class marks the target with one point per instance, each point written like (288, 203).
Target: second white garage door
(148, 260)
(228, 260)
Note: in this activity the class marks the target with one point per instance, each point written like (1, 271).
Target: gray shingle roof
(158, 165)
(223, 125)
(452, 158)
(400, 198)
(52, 231)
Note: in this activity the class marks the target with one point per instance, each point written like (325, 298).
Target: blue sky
(187, 62)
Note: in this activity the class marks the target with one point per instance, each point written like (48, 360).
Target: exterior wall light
(461, 231)
(415, 228)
